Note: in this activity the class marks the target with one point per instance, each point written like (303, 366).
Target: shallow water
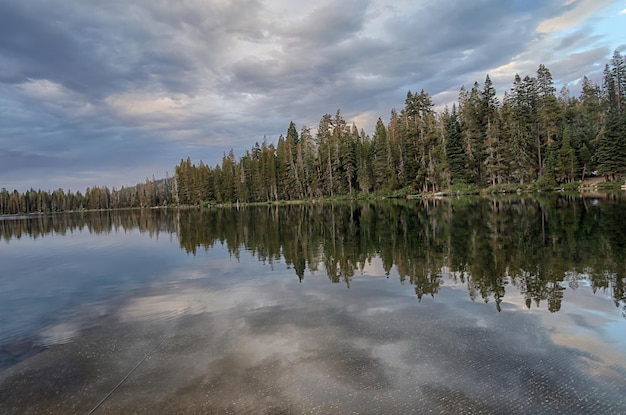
(509, 306)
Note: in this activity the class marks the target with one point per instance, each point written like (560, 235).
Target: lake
(508, 305)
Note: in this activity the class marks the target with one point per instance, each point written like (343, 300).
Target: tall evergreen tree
(472, 109)
(324, 161)
(364, 154)
(523, 104)
(381, 168)
(611, 154)
(548, 114)
(566, 168)
(455, 152)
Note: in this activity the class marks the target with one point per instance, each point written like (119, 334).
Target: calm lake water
(464, 306)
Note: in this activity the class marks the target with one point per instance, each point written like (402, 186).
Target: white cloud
(55, 96)
(137, 104)
(574, 17)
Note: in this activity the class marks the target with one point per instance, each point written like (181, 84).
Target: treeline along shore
(534, 138)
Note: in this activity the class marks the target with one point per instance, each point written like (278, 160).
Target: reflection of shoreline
(153, 221)
(592, 194)
(16, 217)
(485, 243)
(481, 241)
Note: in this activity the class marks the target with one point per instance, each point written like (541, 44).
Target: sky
(97, 93)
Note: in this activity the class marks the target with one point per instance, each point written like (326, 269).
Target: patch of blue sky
(612, 25)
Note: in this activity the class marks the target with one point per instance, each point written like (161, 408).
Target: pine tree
(611, 154)
(421, 141)
(348, 148)
(472, 108)
(491, 124)
(455, 152)
(586, 124)
(548, 114)
(307, 148)
(522, 103)
(324, 164)
(566, 169)
(380, 162)
(364, 154)
(339, 151)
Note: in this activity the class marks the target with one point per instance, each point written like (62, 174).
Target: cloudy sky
(109, 93)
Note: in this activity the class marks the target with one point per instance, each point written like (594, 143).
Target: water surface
(452, 306)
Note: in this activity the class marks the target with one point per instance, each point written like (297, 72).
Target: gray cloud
(127, 86)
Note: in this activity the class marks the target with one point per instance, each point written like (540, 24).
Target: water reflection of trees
(152, 221)
(538, 245)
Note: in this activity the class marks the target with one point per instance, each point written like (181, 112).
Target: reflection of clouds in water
(55, 285)
(59, 333)
(376, 310)
(375, 267)
(161, 307)
(65, 328)
(590, 325)
(185, 302)
(275, 344)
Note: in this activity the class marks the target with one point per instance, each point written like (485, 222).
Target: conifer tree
(380, 160)
(455, 154)
(548, 114)
(471, 113)
(566, 167)
(611, 154)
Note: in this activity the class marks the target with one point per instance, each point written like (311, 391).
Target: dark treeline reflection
(153, 221)
(541, 246)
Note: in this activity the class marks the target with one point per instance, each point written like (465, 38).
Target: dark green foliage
(455, 152)
(566, 163)
(611, 153)
(381, 166)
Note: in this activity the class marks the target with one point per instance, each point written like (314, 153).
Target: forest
(534, 138)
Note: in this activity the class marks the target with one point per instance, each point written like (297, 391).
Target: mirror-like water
(513, 305)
